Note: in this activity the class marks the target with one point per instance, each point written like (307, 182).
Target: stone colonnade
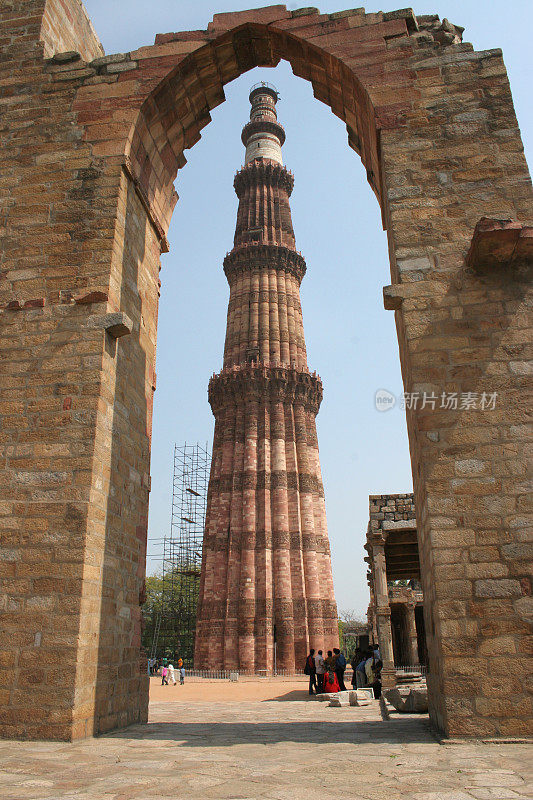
(392, 516)
(405, 633)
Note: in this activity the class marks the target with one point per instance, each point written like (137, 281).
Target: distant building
(395, 612)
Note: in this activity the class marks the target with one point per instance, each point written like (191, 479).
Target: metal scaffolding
(182, 553)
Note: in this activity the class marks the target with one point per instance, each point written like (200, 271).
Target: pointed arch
(171, 118)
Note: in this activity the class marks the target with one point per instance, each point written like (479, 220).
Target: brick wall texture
(91, 145)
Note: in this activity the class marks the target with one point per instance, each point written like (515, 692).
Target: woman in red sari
(331, 683)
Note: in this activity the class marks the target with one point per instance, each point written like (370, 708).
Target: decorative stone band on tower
(266, 591)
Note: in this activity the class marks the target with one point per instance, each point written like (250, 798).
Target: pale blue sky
(351, 339)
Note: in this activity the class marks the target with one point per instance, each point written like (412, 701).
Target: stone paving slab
(274, 750)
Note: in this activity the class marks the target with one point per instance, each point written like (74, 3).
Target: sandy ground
(224, 691)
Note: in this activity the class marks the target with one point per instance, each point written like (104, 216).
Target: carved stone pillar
(411, 638)
(379, 570)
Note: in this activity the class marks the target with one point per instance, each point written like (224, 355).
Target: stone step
(355, 697)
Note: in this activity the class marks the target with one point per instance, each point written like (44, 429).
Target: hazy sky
(351, 339)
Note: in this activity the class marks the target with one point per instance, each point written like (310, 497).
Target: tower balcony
(260, 126)
(265, 382)
(261, 256)
(263, 172)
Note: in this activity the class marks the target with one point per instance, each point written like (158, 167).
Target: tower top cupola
(263, 136)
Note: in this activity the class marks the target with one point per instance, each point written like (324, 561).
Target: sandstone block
(325, 697)
(361, 697)
(504, 587)
(340, 699)
(116, 324)
(408, 699)
(417, 701)
(397, 697)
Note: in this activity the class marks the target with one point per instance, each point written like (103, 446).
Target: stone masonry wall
(90, 150)
(391, 507)
(69, 620)
(66, 27)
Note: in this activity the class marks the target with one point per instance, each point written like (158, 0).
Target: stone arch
(435, 126)
(385, 124)
(171, 118)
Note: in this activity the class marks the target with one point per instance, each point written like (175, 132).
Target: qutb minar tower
(266, 589)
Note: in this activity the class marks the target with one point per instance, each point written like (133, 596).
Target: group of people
(367, 667)
(325, 674)
(168, 671)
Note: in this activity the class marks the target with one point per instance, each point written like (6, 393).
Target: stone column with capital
(383, 612)
(411, 637)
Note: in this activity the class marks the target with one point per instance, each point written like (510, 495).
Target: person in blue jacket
(340, 667)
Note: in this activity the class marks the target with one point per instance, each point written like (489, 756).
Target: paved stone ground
(274, 750)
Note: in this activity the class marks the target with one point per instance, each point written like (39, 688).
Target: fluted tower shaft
(266, 580)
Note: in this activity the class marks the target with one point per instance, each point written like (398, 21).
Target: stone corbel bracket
(500, 244)
(394, 295)
(116, 323)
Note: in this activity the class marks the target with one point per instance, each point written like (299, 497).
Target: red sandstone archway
(171, 118)
(435, 127)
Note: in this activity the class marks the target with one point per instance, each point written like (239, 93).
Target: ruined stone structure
(407, 625)
(266, 590)
(395, 611)
(90, 149)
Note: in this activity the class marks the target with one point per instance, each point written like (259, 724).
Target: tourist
(353, 663)
(164, 676)
(376, 683)
(330, 661)
(331, 684)
(356, 658)
(369, 669)
(340, 667)
(360, 672)
(182, 674)
(310, 669)
(170, 669)
(320, 670)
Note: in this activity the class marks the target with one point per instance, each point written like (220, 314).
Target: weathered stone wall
(70, 621)
(66, 27)
(89, 154)
(462, 331)
(392, 550)
(392, 508)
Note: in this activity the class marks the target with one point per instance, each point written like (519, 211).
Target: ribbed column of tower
(266, 590)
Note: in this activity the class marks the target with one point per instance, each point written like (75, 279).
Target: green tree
(173, 600)
(351, 626)
(340, 624)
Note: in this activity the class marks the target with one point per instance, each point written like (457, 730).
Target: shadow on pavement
(296, 694)
(226, 734)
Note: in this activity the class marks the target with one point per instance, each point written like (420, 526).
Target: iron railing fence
(410, 668)
(225, 674)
